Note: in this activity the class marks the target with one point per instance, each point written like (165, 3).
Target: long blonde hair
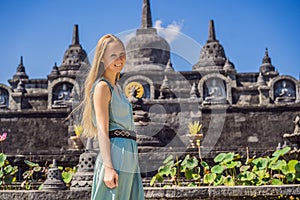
(96, 71)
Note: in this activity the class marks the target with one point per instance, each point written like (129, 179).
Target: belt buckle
(122, 133)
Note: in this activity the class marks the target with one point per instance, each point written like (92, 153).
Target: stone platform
(182, 193)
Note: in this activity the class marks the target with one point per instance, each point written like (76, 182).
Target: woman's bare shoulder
(102, 88)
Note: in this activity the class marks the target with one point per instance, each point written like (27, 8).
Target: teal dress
(124, 154)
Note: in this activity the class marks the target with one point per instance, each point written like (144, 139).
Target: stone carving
(169, 67)
(228, 65)
(165, 91)
(296, 130)
(297, 125)
(212, 55)
(54, 180)
(3, 99)
(215, 94)
(261, 80)
(55, 72)
(64, 96)
(294, 138)
(83, 179)
(147, 50)
(194, 92)
(284, 92)
(266, 66)
(139, 115)
(20, 74)
(134, 87)
(21, 87)
(133, 97)
(74, 55)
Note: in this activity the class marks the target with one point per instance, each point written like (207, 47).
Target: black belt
(123, 134)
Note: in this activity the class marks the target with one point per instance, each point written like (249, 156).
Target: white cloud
(170, 32)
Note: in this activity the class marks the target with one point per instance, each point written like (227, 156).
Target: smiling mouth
(118, 65)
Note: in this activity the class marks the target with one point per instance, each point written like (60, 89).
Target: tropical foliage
(229, 170)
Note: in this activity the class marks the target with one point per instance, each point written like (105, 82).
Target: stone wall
(256, 127)
(225, 127)
(34, 131)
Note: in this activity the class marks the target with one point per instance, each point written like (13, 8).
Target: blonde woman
(108, 116)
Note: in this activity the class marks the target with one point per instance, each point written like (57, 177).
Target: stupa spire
(266, 65)
(211, 32)
(20, 74)
(75, 39)
(266, 58)
(21, 61)
(146, 15)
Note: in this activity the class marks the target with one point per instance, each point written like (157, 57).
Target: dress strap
(111, 88)
(108, 83)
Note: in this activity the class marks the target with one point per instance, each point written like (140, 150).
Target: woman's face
(114, 57)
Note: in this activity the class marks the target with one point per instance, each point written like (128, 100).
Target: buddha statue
(63, 97)
(139, 115)
(297, 125)
(216, 94)
(133, 97)
(285, 93)
(2, 100)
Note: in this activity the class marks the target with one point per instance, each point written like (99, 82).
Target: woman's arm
(101, 98)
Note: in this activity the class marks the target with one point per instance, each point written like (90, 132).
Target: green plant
(170, 169)
(190, 167)
(78, 130)
(194, 127)
(225, 170)
(229, 170)
(7, 172)
(67, 174)
(33, 175)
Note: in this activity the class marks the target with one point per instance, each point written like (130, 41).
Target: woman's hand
(110, 177)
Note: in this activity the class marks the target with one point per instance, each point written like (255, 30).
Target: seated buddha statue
(216, 94)
(64, 96)
(285, 94)
(2, 100)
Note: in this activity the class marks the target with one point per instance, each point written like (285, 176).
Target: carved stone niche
(4, 98)
(146, 83)
(215, 89)
(62, 95)
(284, 90)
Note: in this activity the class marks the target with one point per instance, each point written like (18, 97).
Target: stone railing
(182, 193)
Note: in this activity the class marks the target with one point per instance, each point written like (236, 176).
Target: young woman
(108, 116)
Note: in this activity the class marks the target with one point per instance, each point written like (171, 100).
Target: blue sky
(41, 30)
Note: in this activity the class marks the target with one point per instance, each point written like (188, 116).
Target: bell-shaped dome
(20, 74)
(266, 65)
(147, 47)
(228, 65)
(212, 55)
(74, 56)
(75, 53)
